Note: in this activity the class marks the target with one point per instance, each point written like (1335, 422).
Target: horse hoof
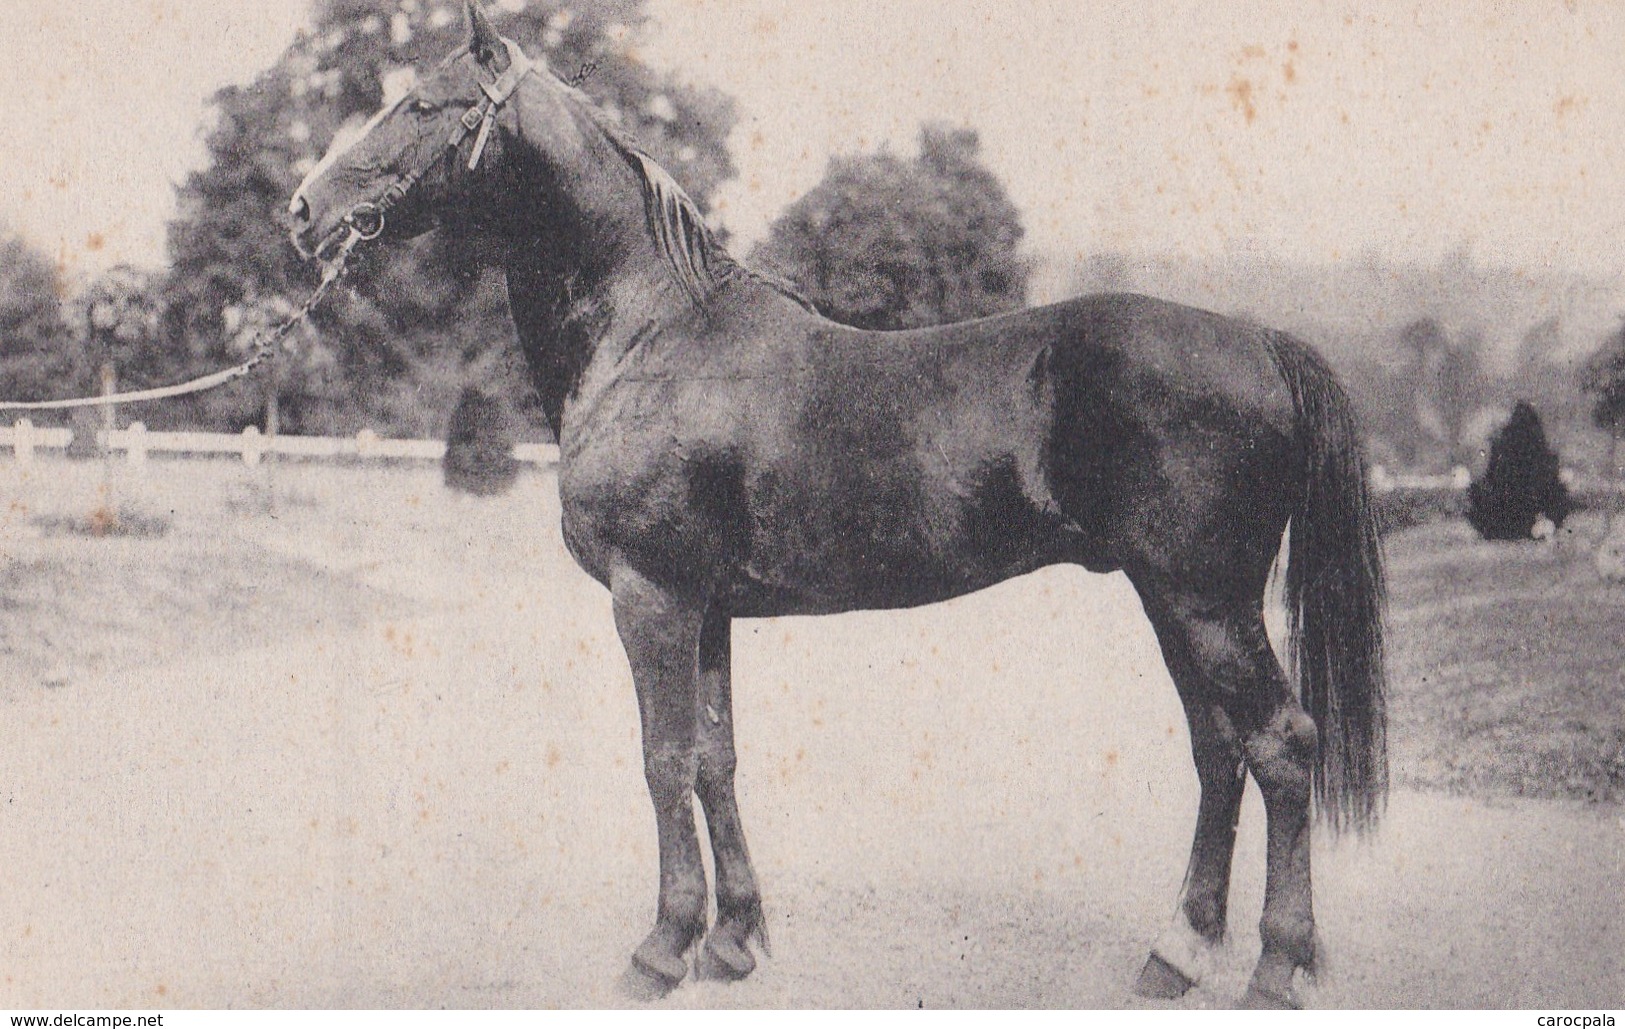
(1161, 981)
(1259, 999)
(651, 977)
(725, 959)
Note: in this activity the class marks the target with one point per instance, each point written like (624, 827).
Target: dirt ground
(395, 763)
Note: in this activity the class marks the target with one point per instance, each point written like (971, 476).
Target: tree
(1448, 385)
(388, 350)
(40, 356)
(887, 243)
(1520, 483)
(1604, 381)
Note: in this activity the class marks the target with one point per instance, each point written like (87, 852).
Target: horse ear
(483, 41)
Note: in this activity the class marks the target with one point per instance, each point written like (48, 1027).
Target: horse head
(423, 156)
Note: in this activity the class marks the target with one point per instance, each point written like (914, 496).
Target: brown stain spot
(1252, 53)
(1568, 104)
(28, 931)
(1111, 759)
(1289, 72)
(553, 756)
(95, 241)
(162, 990)
(1241, 97)
(502, 766)
(765, 26)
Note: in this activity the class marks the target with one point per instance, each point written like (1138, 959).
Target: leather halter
(366, 219)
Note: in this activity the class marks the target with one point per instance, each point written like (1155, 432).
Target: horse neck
(584, 274)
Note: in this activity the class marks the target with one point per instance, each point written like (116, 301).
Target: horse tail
(1334, 595)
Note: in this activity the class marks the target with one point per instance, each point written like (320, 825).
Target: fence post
(23, 441)
(135, 443)
(253, 446)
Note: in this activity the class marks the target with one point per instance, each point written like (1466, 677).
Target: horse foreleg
(660, 631)
(1183, 954)
(727, 953)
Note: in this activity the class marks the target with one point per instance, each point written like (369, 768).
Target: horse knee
(717, 761)
(670, 772)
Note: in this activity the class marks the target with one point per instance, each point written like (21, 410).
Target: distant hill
(1356, 308)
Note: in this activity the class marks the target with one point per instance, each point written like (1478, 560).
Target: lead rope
(264, 348)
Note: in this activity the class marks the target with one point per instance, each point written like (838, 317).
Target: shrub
(1520, 483)
(479, 446)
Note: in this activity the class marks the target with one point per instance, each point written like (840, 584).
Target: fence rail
(136, 443)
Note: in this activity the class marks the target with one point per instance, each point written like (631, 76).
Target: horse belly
(900, 537)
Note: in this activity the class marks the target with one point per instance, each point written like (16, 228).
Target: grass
(1507, 665)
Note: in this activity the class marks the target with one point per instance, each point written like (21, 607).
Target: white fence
(136, 442)
(1458, 478)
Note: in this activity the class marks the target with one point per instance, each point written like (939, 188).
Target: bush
(1520, 483)
(479, 446)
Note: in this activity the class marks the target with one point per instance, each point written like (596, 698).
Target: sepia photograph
(874, 504)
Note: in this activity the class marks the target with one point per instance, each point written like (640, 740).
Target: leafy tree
(40, 356)
(1448, 385)
(1604, 382)
(888, 243)
(1603, 379)
(389, 349)
(1520, 483)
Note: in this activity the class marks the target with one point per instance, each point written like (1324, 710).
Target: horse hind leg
(1226, 643)
(1183, 955)
(660, 632)
(727, 951)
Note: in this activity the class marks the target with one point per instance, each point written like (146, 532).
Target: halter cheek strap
(484, 114)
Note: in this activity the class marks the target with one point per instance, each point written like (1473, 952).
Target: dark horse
(724, 452)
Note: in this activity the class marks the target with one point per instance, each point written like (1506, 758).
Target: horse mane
(701, 264)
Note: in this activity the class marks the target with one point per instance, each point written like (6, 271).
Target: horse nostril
(298, 211)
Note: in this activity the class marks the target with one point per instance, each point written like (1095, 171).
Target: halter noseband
(366, 219)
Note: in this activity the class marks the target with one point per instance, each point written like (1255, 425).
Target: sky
(1310, 131)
